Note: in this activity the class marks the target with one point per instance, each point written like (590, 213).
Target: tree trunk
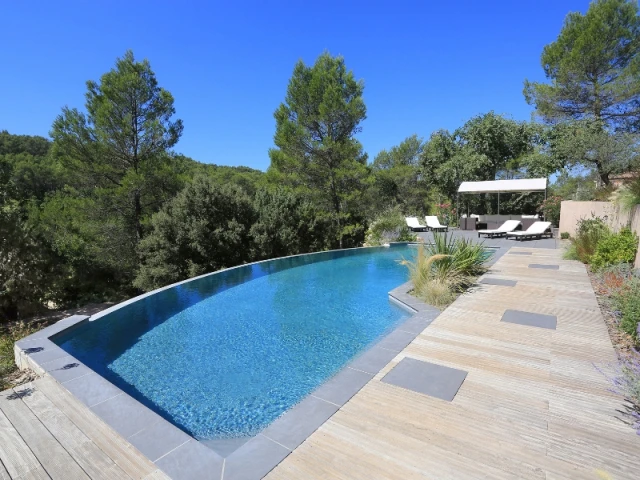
(137, 207)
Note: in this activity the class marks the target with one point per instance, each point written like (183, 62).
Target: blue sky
(426, 65)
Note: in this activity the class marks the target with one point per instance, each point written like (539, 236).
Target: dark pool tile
(342, 386)
(92, 389)
(297, 424)
(254, 459)
(426, 378)
(159, 439)
(547, 267)
(125, 415)
(530, 319)
(65, 369)
(396, 340)
(499, 281)
(192, 461)
(373, 360)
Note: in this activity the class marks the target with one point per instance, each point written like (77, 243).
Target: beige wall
(571, 212)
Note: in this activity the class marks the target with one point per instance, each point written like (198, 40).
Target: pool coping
(181, 456)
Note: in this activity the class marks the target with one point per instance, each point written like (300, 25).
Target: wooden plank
(17, 458)
(4, 475)
(93, 461)
(130, 460)
(52, 456)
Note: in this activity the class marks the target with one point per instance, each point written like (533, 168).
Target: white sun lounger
(414, 224)
(434, 224)
(536, 230)
(506, 227)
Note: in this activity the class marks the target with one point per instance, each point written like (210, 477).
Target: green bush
(589, 233)
(564, 235)
(445, 268)
(390, 226)
(627, 301)
(615, 248)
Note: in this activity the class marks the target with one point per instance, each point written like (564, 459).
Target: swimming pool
(224, 355)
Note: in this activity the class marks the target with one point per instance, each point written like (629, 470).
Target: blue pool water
(224, 355)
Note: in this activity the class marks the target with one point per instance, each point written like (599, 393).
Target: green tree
(397, 178)
(593, 67)
(204, 228)
(123, 139)
(594, 73)
(317, 151)
(287, 224)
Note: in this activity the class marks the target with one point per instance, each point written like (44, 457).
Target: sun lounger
(434, 224)
(536, 230)
(414, 224)
(507, 227)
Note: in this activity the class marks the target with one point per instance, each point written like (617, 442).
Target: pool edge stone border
(180, 455)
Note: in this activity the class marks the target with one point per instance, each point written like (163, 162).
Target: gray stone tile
(498, 281)
(66, 368)
(548, 267)
(225, 446)
(519, 253)
(342, 386)
(293, 428)
(159, 439)
(427, 378)
(396, 340)
(254, 459)
(125, 415)
(417, 323)
(192, 461)
(373, 360)
(530, 319)
(92, 389)
(402, 304)
(45, 354)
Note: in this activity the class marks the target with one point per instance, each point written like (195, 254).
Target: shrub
(626, 300)
(626, 382)
(589, 233)
(551, 209)
(390, 226)
(615, 248)
(9, 335)
(443, 269)
(564, 235)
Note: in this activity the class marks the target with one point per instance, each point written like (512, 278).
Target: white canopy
(498, 186)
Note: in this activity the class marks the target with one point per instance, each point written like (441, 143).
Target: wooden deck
(532, 406)
(45, 432)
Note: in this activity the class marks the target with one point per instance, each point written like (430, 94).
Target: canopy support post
(498, 203)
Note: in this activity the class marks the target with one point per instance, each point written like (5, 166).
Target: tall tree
(315, 138)
(203, 228)
(397, 178)
(122, 140)
(593, 68)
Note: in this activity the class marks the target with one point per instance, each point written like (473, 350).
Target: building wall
(571, 212)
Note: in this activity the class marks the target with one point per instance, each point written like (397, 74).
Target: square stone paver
(530, 319)
(547, 267)
(499, 281)
(427, 378)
